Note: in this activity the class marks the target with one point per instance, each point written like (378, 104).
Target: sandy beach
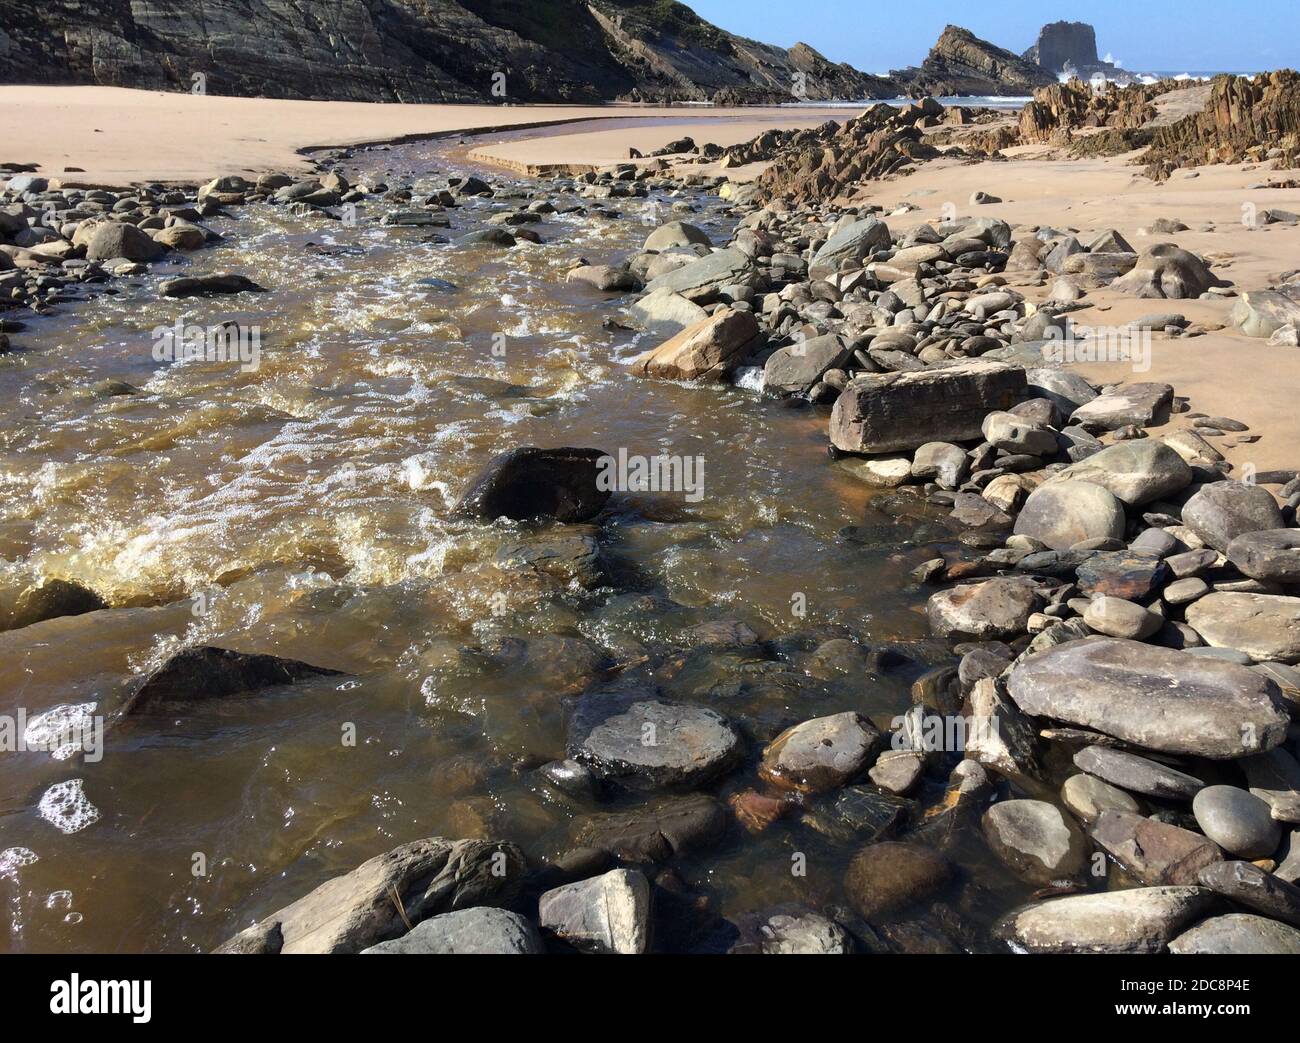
(117, 136)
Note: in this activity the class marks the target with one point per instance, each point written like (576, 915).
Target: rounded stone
(1062, 514)
(1017, 434)
(1116, 617)
(1238, 934)
(1238, 821)
(888, 876)
(1263, 626)
(820, 754)
(1035, 840)
(675, 233)
(1088, 796)
(1221, 511)
(1135, 472)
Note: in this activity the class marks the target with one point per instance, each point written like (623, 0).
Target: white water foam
(66, 807)
(749, 378)
(68, 721)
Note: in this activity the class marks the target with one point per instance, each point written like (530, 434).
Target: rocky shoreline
(1121, 613)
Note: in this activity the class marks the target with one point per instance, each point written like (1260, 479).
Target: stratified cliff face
(962, 63)
(413, 50)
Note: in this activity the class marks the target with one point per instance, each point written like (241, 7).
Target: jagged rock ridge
(961, 63)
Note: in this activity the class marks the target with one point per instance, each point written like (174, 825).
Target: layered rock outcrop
(415, 51)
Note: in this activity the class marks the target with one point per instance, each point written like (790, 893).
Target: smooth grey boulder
(1274, 777)
(675, 233)
(110, 239)
(479, 931)
(1137, 774)
(1138, 920)
(1036, 841)
(665, 312)
(1239, 822)
(1164, 270)
(850, 245)
(1088, 796)
(887, 412)
(1135, 472)
(1248, 885)
(984, 611)
(1220, 512)
(1153, 697)
(1261, 313)
(797, 367)
(1138, 404)
(607, 914)
(1018, 434)
(1238, 934)
(821, 754)
(1116, 617)
(644, 742)
(1264, 626)
(357, 910)
(941, 462)
(1061, 514)
(1269, 555)
(898, 771)
(701, 281)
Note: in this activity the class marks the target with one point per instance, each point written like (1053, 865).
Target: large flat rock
(644, 742)
(1153, 697)
(1264, 626)
(701, 280)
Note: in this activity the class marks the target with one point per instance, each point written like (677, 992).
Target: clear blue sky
(1166, 35)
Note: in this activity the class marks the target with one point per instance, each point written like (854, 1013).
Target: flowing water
(302, 509)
